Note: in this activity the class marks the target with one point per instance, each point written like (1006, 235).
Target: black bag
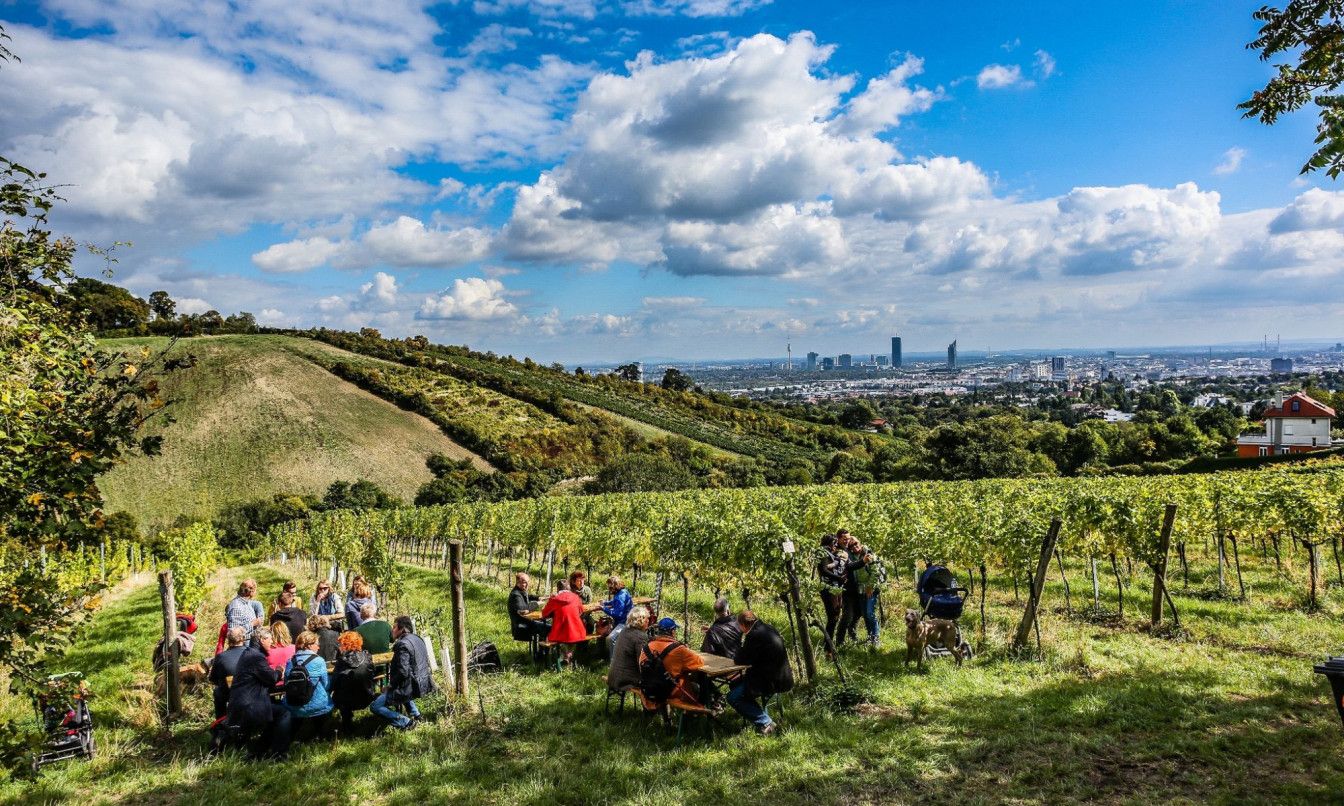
(654, 680)
(484, 657)
(299, 685)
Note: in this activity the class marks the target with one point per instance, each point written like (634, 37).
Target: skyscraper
(896, 351)
(811, 362)
(952, 355)
(828, 363)
(1057, 371)
(846, 361)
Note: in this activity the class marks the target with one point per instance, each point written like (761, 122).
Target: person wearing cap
(682, 664)
(764, 652)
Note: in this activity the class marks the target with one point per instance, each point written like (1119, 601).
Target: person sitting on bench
(565, 610)
(723, 637)
(617, 607)
(520, 626)
(763, 650)
(681, 663)
(624, 671)
(408, 678)
(224, 666)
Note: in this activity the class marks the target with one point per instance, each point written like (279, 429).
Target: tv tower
(788, 345)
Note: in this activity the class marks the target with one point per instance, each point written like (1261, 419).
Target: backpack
(484, 657)
(299, 685)
(654, 680)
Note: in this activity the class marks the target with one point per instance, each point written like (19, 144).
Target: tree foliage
(1312, 33)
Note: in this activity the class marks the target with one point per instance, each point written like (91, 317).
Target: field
(254, 418)
(1226, 712)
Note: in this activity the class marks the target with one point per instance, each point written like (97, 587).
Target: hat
(668, 624)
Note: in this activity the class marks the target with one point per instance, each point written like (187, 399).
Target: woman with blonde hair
(282, 648)
(361, 593)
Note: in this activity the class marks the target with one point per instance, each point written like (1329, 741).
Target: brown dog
(919, 632)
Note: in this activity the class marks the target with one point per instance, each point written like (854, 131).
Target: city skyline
(585, 180)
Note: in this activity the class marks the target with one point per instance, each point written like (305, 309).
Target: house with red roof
(1295, 424)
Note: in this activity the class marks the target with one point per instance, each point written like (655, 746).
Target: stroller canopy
(936, 578)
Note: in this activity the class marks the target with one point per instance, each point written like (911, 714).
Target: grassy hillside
(1230, 713)
(254, 418)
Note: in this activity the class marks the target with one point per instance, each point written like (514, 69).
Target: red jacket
(566, 610)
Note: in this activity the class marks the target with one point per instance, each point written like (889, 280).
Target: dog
(192, 676)
(919, 632)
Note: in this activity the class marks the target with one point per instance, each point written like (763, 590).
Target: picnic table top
(381, 659)
(719, 666)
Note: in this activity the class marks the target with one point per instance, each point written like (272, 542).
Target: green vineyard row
(730, 537)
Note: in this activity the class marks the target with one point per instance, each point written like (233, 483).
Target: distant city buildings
(1280, 365)
(812, 362)
(952, 355)
(896, 352)
(828, 363)
(1057, 370)
(846, 361)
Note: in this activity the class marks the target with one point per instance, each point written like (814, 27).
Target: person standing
(408, 678)
(243, 610)
(764, 652)
(852, 598)
(871, 576)
(287, 609)
(830, 573)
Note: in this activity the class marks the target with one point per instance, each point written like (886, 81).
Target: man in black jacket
(763, 650)
(408, 678)
(224, 666)
(251, 709)
(852, 605)
(522, 627)
(724, 637)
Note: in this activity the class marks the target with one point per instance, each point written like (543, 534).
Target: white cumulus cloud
(1001, 76)
(471, 298)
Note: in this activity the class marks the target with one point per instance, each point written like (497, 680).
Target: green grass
(256, 417)
(1228, 713)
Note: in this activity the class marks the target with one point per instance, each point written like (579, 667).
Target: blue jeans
(870, 614)
(379, 707)
(744, 702)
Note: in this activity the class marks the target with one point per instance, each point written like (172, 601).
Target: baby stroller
(63, 709)
(942, 597)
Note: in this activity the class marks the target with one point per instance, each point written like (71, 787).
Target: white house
(1295, 424)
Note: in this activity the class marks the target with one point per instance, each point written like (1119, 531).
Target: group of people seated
(270, 690)
(642, 652)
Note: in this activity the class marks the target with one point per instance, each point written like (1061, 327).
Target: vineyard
(731, 539)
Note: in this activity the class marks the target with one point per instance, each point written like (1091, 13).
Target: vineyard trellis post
(459, 618)
(1064, 578)
(172, 679)
(1096, 585)
(1339, 570)
(102, 562)
(1160, 564)
(1236, 558)
(685, 607)
(805, 637)
(1037, 583)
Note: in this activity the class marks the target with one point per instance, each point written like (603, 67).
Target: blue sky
(584, 180)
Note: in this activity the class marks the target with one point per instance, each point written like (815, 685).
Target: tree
(163, 306)
(106, 306)
(241, 322)
(363, 494)
(1313, 32)
(641, 472)
(677, 381)
(627, 372)
(857, 414)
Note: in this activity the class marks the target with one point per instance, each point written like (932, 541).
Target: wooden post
(172, 679)
(984, 587)
(1222, 563)
(102, 563)
(805, 637)
(1236, 558)
(1063, 577)
(459, 618)
(1160, 566)
(1096, 586)
(685, 607)
(1037, 583)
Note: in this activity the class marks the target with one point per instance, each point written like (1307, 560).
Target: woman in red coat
(565, 610)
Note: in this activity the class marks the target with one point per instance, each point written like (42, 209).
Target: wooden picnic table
(717, 666)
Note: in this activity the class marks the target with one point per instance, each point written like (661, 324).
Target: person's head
(614, 584)
(746, 620)
(285, 599)
(323, 590)
(561, 585)
(522, 581)
(350, 641)
(828, 541)
(361, 588)
(721, 607)
(265, 638)
(290, 586)
(236, 636)
(316, 623)
(307, 640)
(577, 580)
(280, 633)
(247, 588)
(667, 626)
(638, 618)
(368, 610)
(402, 626)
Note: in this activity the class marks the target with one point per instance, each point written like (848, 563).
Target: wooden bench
(684, 709)
(544, 647)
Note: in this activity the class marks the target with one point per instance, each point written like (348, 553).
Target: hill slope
(254, 418)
